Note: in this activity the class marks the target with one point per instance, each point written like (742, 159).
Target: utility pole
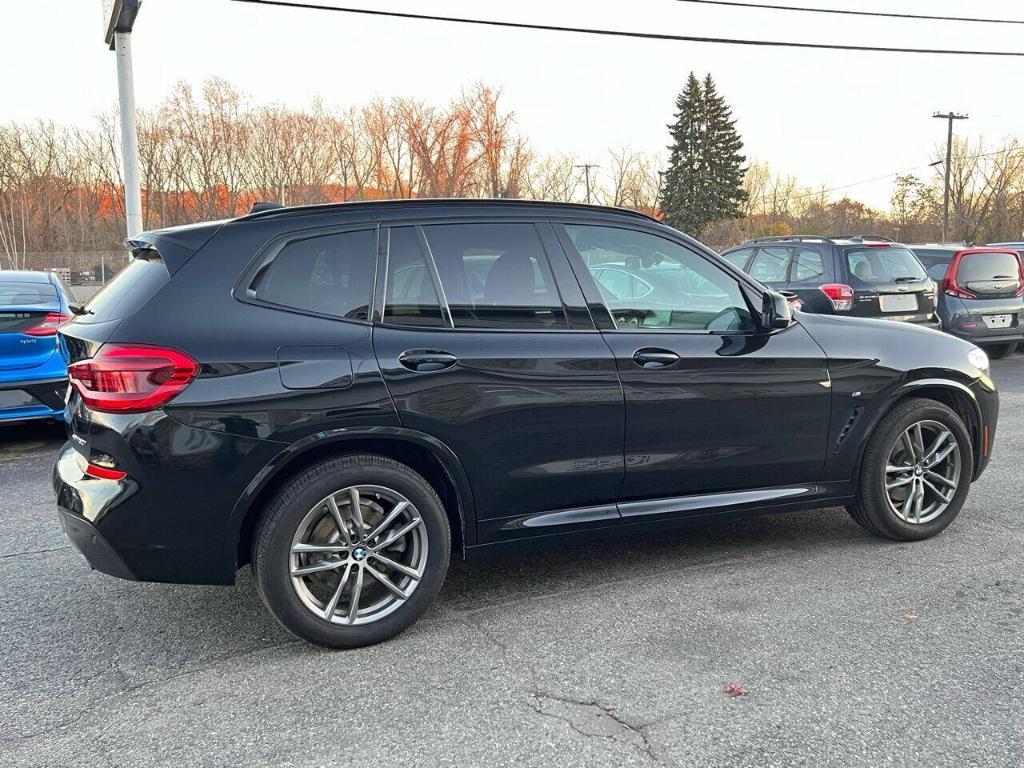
(950, 117)
(586, 172)
(119, 18)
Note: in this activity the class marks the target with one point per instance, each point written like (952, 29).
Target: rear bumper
(98, 552)
(27, 399)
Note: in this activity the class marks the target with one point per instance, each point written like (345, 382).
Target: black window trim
(749, 288)
(420, 222)
(245, 289)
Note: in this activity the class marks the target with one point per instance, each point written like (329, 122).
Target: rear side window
(884, 265)
(977, 267)
(495, 276)
(807, 266)
(22, 294)
(770, 265)
(128, 292)
(411, 296)
(328, 275)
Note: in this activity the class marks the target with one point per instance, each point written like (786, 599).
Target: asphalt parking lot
(852, 651)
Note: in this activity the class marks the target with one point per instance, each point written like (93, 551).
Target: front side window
(770, 265)
(884, 265)
(495, 276)
(738, 258)
(328, 275)
(688, 292)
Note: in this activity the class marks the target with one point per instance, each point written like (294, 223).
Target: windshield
(884, 265)
(23, 294)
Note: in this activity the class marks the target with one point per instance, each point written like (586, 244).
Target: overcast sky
(828, 117)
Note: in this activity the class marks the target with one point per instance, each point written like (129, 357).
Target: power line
(623, 33)
(847, 12)
(822, 192)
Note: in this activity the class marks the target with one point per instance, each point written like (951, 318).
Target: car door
(713, 403)
(486, 344)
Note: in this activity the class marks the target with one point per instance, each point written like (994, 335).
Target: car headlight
(978, 359)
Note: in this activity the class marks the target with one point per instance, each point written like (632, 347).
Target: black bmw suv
(859, 275)
(343, 395)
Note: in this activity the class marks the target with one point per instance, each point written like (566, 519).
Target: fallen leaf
(910, 616)
(731, 689)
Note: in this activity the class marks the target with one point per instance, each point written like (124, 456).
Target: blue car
(33, 377)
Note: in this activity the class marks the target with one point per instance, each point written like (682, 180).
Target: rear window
(884, 265)
(125, 294)
(977, 267)
(23, 294)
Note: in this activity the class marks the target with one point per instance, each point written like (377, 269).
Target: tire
(874, 509)
(999, 351)
(300, 517)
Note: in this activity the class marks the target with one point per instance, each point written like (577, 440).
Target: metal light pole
(949, 116)
(119, 16)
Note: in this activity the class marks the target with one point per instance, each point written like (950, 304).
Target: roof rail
(789, 238)
(862, 238)
(440, 201)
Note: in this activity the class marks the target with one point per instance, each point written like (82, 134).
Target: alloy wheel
(922, 472)
(358, 554)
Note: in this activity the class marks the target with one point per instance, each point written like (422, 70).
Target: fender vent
(847, 429)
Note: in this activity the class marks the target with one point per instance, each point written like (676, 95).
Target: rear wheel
(916, 472)
(352, 551)
(999, 351)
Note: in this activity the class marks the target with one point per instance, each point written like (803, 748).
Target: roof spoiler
(259, 207)
(174, 247)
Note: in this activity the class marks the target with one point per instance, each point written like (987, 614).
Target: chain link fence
(85, 272)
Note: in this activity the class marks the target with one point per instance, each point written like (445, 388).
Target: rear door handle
(654, 358)
(426, 360)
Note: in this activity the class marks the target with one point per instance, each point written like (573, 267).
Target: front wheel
(916, 472)
(352, 551)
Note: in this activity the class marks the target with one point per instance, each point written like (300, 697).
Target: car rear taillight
(48, 325)
(841, 296)
(1020, 269)
(132, 378)
(949, 285)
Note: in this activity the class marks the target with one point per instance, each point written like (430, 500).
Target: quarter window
(770, 265)
(328, 275)
(495, 276)
(687, 292)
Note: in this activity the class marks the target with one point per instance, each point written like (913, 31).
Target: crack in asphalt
(35, 552)
(537, 696)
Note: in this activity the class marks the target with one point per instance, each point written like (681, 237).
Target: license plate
(898, 302)
(998, 321)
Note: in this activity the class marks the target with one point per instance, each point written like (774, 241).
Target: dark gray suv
(981, 296)
(858, 275)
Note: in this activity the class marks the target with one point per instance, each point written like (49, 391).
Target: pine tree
(704, 179)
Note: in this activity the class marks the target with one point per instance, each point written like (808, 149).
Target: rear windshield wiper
(907, 279)
(78, 309)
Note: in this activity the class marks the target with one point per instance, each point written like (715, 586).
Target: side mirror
(775, 311)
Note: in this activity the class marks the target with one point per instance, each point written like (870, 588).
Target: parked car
(342, 395)
(33, 378)
(856, 275)
(981, 296)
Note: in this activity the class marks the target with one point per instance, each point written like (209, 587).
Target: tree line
(211, 153)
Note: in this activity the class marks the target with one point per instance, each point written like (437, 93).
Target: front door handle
(654, 358)
(426, 360)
